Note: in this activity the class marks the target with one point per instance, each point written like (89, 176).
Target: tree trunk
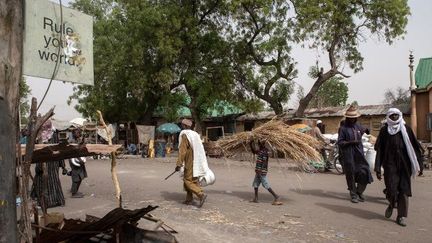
(277, 107)
(196, 116)
(147, 117)
(304, 102)
(8, 225)
(11, 40)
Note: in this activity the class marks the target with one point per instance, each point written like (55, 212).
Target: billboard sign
(46, 31)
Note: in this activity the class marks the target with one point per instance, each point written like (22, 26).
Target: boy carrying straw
(261, 169)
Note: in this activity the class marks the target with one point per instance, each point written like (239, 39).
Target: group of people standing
(398, 153)
(49, 193)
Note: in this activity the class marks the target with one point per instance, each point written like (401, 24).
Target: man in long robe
(194, 163)
(78, 170)
(399, 154)
(355, 165)
(54, 196)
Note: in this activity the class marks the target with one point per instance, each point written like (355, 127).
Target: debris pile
(119, 225)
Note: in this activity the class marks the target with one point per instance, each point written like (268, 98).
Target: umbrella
(170, 128)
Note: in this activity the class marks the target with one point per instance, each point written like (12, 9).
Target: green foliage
(148, 51)
(24, 91)
(333, 92)
(150, 54)
(263, 64)
(339, 26)
(136, 48)
(171, 105)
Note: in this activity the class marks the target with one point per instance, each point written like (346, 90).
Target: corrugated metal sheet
(264, 115)
(423, 74)
(366, 110)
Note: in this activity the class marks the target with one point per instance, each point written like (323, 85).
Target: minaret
(413, 95)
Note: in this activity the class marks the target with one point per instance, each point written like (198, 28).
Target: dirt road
(316, 206)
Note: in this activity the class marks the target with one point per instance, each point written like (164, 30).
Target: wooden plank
(50, 152)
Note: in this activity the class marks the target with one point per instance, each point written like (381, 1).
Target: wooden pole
(413, 95)
(113, 161)
(8, 225)
(34, 126)
(11, 45)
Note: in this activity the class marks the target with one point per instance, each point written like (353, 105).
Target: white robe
(200, 165)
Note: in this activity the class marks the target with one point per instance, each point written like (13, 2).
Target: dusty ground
(316, 206)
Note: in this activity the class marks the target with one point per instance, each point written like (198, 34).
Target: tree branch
(342, 74)
(204, 15)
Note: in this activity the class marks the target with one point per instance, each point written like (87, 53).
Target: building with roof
(422, 99)
(371, 117)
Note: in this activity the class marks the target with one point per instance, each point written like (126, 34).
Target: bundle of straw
(294, 145)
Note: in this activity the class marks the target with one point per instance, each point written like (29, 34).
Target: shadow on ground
(339, 195)
(361, 213)
(263, 196)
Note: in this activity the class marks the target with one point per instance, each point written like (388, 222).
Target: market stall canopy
(170, 128)
(78, 121)
(60, 125)
(103, 133)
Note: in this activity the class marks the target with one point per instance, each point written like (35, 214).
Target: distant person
(193, 158)
(318, 134)
(355, 165)
(132, 149)
(78, 173)
(78, 170)
(399, 153)
(261, 169)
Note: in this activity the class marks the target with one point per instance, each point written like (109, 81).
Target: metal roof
(263, 115)
(423, 74)
(365, 110)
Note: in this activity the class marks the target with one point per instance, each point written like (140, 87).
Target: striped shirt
(262, 162)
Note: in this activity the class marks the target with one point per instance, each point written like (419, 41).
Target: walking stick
(170, 175)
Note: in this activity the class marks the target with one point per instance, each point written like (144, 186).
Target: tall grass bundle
(279, 137)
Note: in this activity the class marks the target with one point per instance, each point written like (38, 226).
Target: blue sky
(384, 66)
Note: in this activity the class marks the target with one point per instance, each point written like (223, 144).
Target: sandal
(277, 203)
(188, 202)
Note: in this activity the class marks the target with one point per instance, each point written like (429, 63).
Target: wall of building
(373, 123)
(423, 108)
(430, 111)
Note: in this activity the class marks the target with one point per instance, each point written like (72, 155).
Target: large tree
(136, 48)
(204, 64)
(149, 53)
(337, 27)
(262, 55)
(334, 92)
(11, 39)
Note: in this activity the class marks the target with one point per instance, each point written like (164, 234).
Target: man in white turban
(399, 154)
(193, 159)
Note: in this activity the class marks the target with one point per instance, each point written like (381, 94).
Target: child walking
(261, 169)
